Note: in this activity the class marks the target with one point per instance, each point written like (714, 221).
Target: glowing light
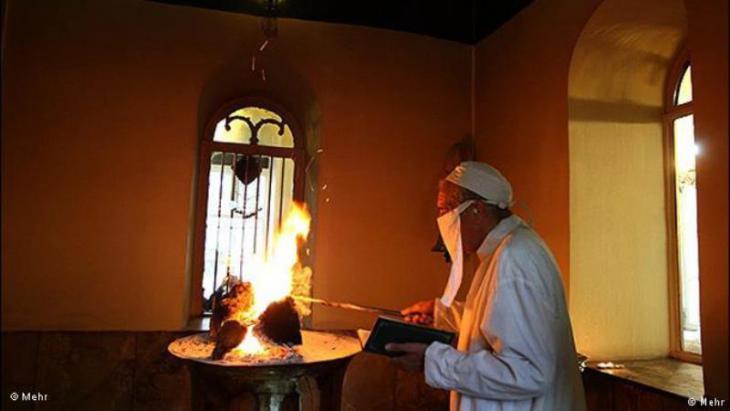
(609, 365)
(272, 279)
(280, 274)
(250, 345)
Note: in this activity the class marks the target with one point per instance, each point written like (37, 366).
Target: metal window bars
(249, 189)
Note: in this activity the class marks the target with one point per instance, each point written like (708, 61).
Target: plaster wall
(618, 249)
(103, 104)
(521, 112)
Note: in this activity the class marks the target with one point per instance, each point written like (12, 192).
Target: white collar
(497, 234)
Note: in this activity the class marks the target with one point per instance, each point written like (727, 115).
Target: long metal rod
(218, 227)
(231, 212)
(256, 216)
(281, 190)
(348, 306)
(269, 209)
(245, 159)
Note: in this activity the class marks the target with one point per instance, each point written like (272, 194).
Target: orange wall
(708, 44)
(102, 106)
(521, 83)
(102, 110)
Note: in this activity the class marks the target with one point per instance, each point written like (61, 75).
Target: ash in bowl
(316, 346)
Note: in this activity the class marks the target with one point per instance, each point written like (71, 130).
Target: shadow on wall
(623, 111)
(619, 302)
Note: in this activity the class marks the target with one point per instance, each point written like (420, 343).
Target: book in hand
(390, 330)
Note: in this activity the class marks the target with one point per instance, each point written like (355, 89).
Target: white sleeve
(522, 330)
(447, 318)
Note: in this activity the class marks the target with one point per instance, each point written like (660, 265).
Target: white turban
(483, 180)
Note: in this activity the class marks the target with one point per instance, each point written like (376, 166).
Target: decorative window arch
(251, 169)
(681, 151)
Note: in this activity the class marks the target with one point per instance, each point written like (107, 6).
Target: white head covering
(485, 180)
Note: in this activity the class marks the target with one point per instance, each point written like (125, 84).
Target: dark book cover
(390, 330)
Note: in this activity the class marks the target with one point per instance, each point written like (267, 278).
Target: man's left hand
(412, 358)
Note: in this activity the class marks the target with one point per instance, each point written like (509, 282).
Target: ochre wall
(521, 111)
(102, 108)
(618, 247)
(708, 45)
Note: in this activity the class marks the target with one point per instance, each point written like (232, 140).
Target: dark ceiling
(467, 21)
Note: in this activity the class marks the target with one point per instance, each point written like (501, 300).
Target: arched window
(682, 204)
(251, 169)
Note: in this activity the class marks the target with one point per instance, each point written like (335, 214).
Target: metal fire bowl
(324, 359)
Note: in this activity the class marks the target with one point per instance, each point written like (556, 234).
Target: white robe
(515, 349)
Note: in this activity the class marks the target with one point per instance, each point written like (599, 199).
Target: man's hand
(419, 313)
(412, 358)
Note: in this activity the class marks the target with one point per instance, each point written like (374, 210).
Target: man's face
(475, 220)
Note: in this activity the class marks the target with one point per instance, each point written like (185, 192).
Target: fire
(272, 279)
(250, 345)
(279, 274)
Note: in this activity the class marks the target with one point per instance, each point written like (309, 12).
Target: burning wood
(228, 338)
(280, 323)
(233, 305)
(259, 317)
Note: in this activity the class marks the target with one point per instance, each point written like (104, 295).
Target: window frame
(673, 112)
(207, 146)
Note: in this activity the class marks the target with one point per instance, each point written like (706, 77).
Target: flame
(272, 279)
(250, 345)
(277, 276)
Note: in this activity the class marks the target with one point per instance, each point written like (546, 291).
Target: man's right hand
(419, 313)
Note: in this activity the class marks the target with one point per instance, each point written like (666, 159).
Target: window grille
(251, 172)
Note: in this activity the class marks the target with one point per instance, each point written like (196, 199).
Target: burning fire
(250, 346)
(273, 278)
(278, 275)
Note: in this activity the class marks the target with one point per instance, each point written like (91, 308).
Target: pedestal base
(311, 382)
(301, 387)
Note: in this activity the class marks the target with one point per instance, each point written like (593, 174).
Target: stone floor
(133, 371)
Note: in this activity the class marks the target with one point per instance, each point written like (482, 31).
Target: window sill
(663, 374)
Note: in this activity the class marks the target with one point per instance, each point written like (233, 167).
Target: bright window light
(685, 151)
(684, 89)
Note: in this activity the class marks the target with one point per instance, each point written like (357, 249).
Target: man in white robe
(515, 346)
